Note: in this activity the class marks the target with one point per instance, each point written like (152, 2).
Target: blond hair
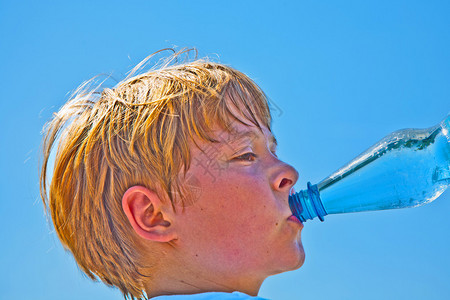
(136, 133)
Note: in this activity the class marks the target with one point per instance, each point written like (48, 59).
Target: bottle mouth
(296, 206)
(307, 205)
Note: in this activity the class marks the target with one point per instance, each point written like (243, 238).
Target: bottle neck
(306, 204)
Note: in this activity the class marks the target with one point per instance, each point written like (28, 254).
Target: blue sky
(343, 73)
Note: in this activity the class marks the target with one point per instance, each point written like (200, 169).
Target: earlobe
(147, 214)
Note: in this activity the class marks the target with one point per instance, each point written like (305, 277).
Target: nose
(284, 177)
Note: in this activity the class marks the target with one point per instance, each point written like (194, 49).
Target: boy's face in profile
(237, 223)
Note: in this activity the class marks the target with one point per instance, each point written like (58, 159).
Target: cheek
(242, 198)
(235, 206)
(245, 211)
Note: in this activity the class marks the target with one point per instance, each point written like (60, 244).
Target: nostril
(284, 182)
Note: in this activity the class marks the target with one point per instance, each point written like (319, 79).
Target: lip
(295, 220)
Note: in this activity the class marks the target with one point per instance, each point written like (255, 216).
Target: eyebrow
(250, 134)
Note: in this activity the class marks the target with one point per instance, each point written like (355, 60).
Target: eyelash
(245, 156)
(275, 153)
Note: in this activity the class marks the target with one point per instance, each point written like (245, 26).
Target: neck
(188, 280)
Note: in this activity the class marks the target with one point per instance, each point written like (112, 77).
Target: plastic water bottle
(407, 168)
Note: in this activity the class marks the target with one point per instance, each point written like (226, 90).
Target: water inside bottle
(410, 167)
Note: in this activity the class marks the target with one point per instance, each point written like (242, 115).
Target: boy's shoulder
(210, 295)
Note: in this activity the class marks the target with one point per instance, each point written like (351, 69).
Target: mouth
(295, 220)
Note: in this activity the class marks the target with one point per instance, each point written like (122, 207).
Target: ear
(147, 214)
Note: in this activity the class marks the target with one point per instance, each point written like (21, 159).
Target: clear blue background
(344, 73)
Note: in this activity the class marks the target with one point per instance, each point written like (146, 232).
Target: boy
(169, 184)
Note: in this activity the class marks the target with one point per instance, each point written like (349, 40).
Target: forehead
(234, 135)
(243, 111)
(242, 133)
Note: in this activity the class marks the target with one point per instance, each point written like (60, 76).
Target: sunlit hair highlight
(137, 133)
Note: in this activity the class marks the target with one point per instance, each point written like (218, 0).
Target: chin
(293, 261)
(300, 259)
(297, 257)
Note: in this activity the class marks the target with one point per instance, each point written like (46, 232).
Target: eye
(250, 156)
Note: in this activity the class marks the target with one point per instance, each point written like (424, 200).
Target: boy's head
(171, 174)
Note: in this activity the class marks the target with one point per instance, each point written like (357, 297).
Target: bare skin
(236, 232)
